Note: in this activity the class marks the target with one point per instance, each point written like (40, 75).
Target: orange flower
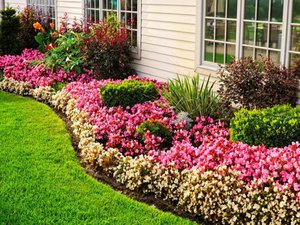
(37, 26)
(55, 34)
(52, 25)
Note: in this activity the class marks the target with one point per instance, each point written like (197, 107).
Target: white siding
(17, 4)
(74, 8)
(168, 38)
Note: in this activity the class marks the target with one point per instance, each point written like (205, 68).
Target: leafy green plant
(156, 128)
(1, 75)
(108, 49)
(9, 31)
(250, 84)
(274, 127)
(58, 86)
(193, 96)
(46, 36)
(128, 93)
(68, 54)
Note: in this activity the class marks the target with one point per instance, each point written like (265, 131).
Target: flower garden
(128, 128)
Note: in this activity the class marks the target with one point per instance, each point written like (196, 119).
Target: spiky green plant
(193, 96)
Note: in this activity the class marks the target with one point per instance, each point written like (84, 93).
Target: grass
(41, 181)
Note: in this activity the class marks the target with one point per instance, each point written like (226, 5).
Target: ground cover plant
(42, 181)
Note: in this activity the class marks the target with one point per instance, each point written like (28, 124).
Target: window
(261, 27)
(46, 7)
(126, 10)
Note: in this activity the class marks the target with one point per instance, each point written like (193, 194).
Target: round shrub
(274, 127)
(155, 128)
(128, 93)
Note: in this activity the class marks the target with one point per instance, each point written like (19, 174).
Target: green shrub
(128, 93)
(9, 32)
(68, 54)
(58, 86)
(156, 128)
(251, 84)
(1, 75)
(193, 96)
(274, 127)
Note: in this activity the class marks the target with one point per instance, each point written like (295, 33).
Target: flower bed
(202, 171)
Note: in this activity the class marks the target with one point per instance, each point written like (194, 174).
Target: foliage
(128, 93)
(9, 32)
(28, 16)
(68, 54)
(46, 36)
(65, 25)
(295, 69)
(155, 128)
(256, 84)
(1, 75)
(274, 127)
(108, 49)
(192, 96)
(58, 86)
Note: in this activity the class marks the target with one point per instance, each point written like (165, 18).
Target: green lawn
(41, 181)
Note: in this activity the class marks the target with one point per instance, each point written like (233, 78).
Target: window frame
(285, 43)
(136, 51)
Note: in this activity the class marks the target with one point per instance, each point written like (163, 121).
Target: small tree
(9, 32)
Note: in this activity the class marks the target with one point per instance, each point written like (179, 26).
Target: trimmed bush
(155, 128)
(128, 93)
(274, 127)
(58, 86)
(9, 32)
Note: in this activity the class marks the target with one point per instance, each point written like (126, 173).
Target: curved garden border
(217, 195)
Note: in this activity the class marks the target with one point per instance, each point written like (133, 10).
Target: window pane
(249, 33)
(247, 51)
(128, 5)
(219, 53)
(275, 56)
(260, 53)
(262, 9)
(134, 20)
(231, 31)
(250, 9)
(123, 4)
(295, 42)
(134, 5)
(220, 30)
(261, 34)
(210, 8)
(230, 53)
(104, 2)
(275, 36)
(296, 11)
(209, 29)
(277, 10)
(209, 51)
(232, 9)
(221, 8)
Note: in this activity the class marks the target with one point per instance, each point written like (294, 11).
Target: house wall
(74, 9)
(168, 38)
(18, 4)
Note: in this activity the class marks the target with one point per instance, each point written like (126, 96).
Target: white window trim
(136, 51)
(200, 63)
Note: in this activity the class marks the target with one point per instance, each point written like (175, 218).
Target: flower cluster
(19, 68)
